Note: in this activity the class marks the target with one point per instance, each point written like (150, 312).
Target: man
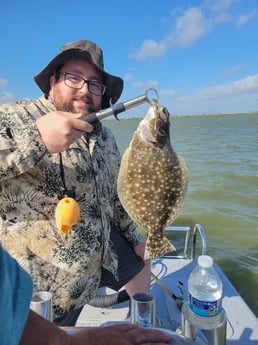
(46, 153)
(19, 325)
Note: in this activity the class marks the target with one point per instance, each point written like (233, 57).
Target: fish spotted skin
(152, 180)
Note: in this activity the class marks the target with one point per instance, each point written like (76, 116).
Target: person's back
(15, 295)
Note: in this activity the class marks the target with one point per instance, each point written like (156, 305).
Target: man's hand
(126, 334)
(40, 331)
(59, 129)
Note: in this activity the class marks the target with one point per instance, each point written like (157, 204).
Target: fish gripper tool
(115, 109)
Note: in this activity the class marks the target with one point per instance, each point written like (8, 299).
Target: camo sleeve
(21, 147)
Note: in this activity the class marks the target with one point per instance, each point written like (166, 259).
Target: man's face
(79, 101)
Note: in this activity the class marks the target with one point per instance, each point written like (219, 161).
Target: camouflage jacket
(30, 183)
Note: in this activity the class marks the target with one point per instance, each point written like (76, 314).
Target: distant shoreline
(190, 115)
(216, 114)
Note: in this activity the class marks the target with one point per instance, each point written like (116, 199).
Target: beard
(64, 104)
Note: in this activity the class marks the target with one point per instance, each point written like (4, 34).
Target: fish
(153, 180)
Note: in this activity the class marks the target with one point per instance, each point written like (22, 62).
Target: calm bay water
(221, 153)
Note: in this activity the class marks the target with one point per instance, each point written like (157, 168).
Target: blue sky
(201, 56)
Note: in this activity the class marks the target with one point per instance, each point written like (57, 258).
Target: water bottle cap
(205, 261)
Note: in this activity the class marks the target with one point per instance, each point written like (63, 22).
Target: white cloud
(145, 85)
(237, 96)
(239, 87)
(6, 97)
(129, 77)
(191, 24)
(218, 5)
(149, 48)
(231, 70)
(222, 18)
(3, 82)
(243, 19)
(167, 92)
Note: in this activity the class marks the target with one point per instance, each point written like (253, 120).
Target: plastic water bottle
(204, 293)
(203, 317)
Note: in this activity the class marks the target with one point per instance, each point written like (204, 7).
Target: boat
(169, 286)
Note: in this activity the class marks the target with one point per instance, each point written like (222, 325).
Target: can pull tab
(115, 109)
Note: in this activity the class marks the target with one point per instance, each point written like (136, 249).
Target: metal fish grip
(115, 109)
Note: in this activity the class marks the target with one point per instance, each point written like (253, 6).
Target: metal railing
(190, 240)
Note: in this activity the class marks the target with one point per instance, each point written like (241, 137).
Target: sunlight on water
(221, 153)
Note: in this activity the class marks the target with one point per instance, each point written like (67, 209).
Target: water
(221, 153)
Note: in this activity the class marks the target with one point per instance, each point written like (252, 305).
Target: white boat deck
(242, 324)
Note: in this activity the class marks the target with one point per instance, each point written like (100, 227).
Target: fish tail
(156, 248)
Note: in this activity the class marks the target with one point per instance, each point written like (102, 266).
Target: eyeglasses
(74, 81)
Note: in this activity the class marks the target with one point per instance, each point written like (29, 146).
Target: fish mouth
(151, 142)
(153, 133)
(153, 130)
(145, 135)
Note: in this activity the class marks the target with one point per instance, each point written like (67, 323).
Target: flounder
(153, 180)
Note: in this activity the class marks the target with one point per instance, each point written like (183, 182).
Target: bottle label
(205, 308)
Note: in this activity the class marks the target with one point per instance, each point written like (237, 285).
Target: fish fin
(157, 248)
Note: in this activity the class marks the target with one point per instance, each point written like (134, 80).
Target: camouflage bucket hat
(85, 50)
